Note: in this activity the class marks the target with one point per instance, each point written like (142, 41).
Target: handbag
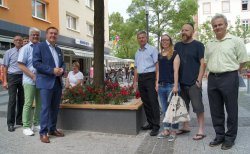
(177, 111)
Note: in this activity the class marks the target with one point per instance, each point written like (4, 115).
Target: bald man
(191, 71)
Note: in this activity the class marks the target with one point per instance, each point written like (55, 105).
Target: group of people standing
(33, 72)
(180, 68)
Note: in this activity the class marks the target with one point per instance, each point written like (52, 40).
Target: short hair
(141, 32)
(25, 38)
(50, 28)
(76, 63)
(217, 16)
(190, 24)
(33, 29)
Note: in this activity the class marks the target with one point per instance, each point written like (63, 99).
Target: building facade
(230, 8)
(14, 20)
(73, 18)
(77, 22)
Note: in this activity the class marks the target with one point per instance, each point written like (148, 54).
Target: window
(225, 6)
(71, 22)
(1, 2)
(244, 4)
(39, 9)
(90, 29)
(207, 8)
(245, 23)
(90, 4)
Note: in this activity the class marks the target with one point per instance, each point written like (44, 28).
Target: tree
(240, 30)
(206, 32)
(99, 43)
(164, 15)
(123, 36)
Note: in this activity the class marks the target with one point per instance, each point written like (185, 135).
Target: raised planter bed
(120, 119)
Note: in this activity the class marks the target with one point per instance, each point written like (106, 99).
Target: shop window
(39, 9)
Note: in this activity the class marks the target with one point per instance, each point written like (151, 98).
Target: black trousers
(223, 91)
(16, 99)
(146, 84)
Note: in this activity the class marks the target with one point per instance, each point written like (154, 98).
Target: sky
(119, 6)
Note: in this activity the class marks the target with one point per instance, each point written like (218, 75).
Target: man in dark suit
(48, 61)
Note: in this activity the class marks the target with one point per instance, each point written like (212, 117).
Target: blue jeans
(163, 92)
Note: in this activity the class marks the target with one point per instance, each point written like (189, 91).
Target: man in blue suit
(48, 61)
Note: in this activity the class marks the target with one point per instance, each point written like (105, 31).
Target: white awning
(77, 52)
(84, 53)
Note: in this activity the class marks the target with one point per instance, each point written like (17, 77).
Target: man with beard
(191, 53)
(224, 56)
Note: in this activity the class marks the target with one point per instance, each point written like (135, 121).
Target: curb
(3, 93)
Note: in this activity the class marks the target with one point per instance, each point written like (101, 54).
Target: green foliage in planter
(112, 93)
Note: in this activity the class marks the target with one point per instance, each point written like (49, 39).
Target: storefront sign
(83, 43)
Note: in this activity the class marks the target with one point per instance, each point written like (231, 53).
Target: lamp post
(146, 12)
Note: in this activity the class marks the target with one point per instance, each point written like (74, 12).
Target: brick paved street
(84, 142)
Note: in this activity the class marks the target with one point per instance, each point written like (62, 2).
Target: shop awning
(83, 53)
(77, 52)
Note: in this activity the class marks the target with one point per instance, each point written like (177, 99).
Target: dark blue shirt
(190, 56)
(166, 70)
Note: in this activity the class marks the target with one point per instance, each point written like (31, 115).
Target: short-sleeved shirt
(190, 55)
(73, 78)
(145, 59)
(225, 55)
(10, 61)
(166, 68)
(25, 57)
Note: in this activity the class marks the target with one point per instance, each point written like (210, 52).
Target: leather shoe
(154, 132)
(56, 133)
(147, 127)
(44, 138)
(227, 145)
(216, 142)
(19, 123)
(11, 128)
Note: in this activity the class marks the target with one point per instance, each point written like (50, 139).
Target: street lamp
(146, 12)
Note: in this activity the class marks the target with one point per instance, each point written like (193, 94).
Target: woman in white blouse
(75, 77)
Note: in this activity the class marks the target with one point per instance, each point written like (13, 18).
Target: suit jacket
(44, 63)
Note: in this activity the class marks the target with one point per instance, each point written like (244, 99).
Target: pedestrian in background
(225, 55)
(48, 61)
(191, 71)
(75, 77)
(167, 81)
(25, 41)
(146, 63)
(13, 82)
(31, 93)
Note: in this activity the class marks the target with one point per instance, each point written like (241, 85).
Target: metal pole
(147, 27)
(248, 83)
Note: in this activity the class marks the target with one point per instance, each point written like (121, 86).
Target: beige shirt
(225, 55)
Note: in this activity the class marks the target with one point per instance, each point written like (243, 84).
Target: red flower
(137, 94)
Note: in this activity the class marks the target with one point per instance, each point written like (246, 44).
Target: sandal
(171, 138)
(182, 131)
(162, 135)
(199, 137)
